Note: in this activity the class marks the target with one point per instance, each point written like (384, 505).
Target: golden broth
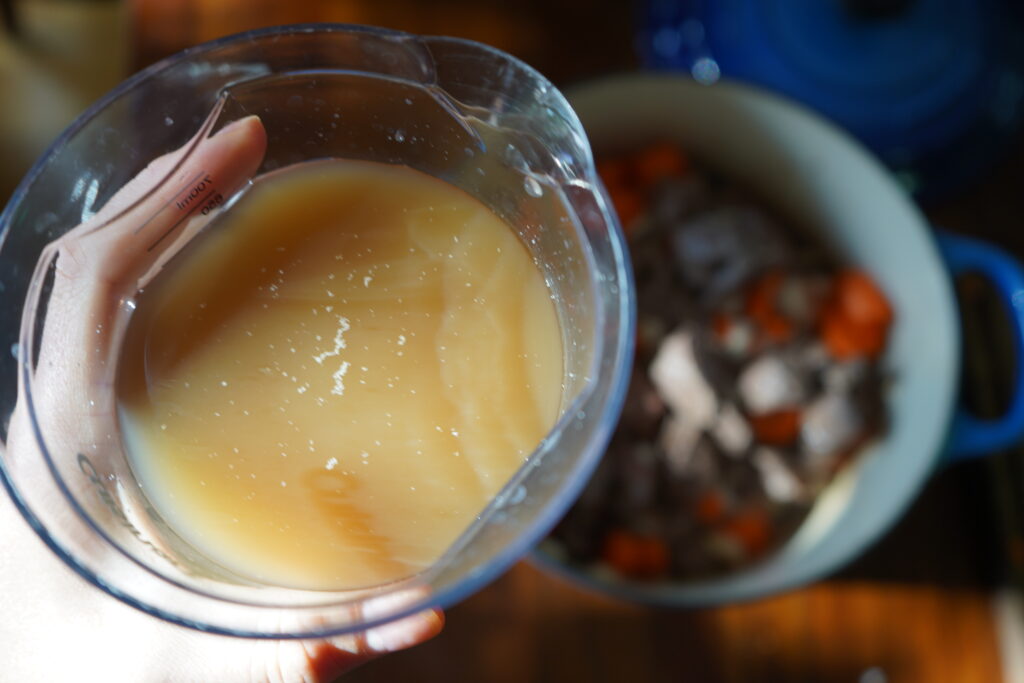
(331, 387)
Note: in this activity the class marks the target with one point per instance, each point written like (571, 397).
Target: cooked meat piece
(680, 382)
(772, 383)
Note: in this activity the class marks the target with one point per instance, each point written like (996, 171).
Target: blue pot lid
(911, 80)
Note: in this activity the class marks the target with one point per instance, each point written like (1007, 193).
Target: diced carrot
(710, 507)
(855, 320)
(659, 161)
(656, 557)
(860, 298)
(777, 328)
(615, 171)
(763, 295)
(762, 307)
(721, 323)
(620, 552)
(628, 204)
(871, 339)
(837, 334)
(752, 529)
(846, 338)
(634, 555)
(780, 428)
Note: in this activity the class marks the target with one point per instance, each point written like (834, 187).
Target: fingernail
(405, 632)
(236, 124)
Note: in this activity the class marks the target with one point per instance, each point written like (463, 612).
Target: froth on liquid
(330, 386)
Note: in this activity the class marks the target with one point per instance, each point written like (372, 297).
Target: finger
(154, 210)
(99, 264)
(405, 633)
(329, 659)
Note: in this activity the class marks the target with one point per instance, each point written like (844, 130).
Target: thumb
(144, 224)
(163, 205)
(323, 661)
(100, 262)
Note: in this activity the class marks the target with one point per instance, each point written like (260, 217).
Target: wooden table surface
(528, 627)
(917, 608)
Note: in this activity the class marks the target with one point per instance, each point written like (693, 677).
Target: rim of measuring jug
(595, 411)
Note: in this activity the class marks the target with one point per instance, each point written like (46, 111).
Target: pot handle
(971, 436)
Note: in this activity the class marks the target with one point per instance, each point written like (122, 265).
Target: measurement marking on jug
(170, 201)
(211, 200)
(170, 230)
(197, 190)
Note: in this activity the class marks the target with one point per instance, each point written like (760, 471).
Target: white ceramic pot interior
(818, 177)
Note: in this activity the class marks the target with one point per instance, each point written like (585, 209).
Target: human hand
(56, 626)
